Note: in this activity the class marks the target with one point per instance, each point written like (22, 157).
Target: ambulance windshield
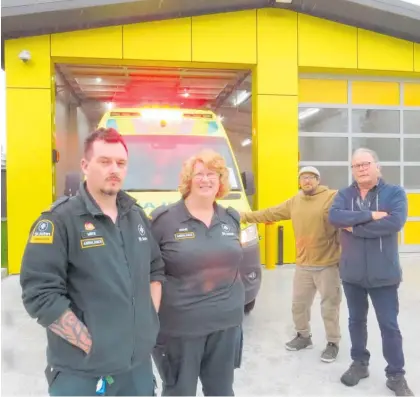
(155, 161)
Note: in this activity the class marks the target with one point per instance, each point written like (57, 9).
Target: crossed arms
(370, 224)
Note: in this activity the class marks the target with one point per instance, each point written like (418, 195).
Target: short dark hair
(109, 135)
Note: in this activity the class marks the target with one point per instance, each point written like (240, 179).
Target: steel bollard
(270, 246)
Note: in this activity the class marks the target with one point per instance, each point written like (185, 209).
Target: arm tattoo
(70, 328)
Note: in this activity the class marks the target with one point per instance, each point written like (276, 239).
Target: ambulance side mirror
(249, 183)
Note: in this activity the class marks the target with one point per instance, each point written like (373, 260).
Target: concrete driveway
(268, 369)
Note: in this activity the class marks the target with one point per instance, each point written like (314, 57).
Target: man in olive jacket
(317, 257)
(91, 275)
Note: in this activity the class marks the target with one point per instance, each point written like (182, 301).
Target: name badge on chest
(184, 234)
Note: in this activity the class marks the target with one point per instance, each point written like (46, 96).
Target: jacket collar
(185, 215)
(379, 184)
(124, 201)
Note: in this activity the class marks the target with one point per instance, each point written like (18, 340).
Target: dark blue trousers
(386, 305)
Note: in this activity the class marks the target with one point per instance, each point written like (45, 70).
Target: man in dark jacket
(91, 275)
(371, 213)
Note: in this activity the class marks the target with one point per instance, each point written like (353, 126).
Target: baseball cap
(309, 170)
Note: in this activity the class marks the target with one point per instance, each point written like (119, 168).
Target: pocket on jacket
(351, 271)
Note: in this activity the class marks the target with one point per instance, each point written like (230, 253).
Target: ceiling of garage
(99, 87)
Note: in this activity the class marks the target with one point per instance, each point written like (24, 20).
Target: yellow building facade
(297, 61)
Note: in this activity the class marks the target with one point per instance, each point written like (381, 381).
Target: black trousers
(386, 305)
(139, 381)
(212, 358)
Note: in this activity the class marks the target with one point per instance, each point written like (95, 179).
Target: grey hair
(366, 150)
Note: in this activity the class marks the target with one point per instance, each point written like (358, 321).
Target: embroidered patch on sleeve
(43, 232)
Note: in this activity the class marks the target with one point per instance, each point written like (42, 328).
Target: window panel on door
(388, 149)
(323, 149)
(411, 121)
(412, 176)
(375, 121)
(412, 149)
(391, 174)
(323, 120)
(335, 177)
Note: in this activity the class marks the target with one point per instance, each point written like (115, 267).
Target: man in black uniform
(91, 275)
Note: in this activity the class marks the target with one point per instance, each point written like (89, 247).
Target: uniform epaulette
(56, 204)
(234, 214)
(156, 213)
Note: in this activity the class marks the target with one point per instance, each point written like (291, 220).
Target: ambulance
(159, 140)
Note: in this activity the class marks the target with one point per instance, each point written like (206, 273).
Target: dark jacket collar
(184, 214)
(378, 185)
(124, 201)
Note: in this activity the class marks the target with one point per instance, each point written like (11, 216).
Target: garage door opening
(85, 93)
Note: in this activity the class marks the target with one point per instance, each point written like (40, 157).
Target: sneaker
(330, 353)
(398, 385)
(355, 373)
(299, 342)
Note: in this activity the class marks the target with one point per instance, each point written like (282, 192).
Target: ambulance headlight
(249, 235)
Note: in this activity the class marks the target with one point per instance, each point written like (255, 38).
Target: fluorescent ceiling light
(415, 2)
(308, 113)
(241, 97)
(246, 142)
(284, 1)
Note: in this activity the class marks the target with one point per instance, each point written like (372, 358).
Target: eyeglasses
(307, 177)
(365, 165)
(210, 175)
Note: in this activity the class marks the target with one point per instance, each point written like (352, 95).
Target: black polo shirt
(203, 292)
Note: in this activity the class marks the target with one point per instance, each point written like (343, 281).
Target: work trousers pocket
(164, 365)
(239, 348)
(51, 375)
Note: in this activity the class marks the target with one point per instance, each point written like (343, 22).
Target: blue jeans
(386, 305)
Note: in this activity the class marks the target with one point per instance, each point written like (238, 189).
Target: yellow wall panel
(379, 52)
(161, 40)
(36, 73)
(228, 38)
(323, 91)
(23, 169)
(375, 93)
(411, 94)
(324, 43)
(413, 204)
(276, 126)
(412, 233)
(277, 52)
(89, 43)
(417, 57)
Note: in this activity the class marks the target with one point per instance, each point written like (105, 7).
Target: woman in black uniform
(203, 298)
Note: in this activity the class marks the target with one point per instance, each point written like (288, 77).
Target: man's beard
(109, 192)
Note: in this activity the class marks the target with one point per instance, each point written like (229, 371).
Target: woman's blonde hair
(214, 162)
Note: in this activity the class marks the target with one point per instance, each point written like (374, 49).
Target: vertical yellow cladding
(160, 40)
(35, 73)
(275, 60)
(417, 57)
(103, 43)
(226, 38)
(326, 44)
(380, 52)
(275, 113)
(29, 178)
